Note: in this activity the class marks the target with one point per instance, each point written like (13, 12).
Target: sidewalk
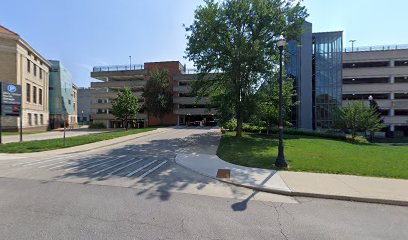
(302, 184)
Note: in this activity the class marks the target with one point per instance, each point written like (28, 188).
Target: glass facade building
(326, 77)
(315, 62)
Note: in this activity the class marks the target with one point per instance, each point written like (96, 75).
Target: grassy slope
(45, 145)
(313, 154)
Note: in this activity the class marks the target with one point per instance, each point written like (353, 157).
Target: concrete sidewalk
(330, 186)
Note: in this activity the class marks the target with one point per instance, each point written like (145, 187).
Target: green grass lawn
(312, 154)
(45, 145)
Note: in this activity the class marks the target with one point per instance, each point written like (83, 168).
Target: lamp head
(281, 42)
(370, 98)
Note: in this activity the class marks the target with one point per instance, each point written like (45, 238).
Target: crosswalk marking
(30, 163)
(110, 167)
(141, 168)
(87, 168)
(52, 164)
(153, 169)
(127, 165)
(90, 163)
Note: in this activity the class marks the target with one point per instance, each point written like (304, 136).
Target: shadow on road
(117, 164)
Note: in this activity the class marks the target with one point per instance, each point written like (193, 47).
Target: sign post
(10, 102)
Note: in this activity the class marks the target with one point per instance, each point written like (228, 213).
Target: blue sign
(11, 88)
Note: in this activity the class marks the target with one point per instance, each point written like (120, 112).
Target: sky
(87, 33)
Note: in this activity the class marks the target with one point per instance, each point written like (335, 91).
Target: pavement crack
(278, 218)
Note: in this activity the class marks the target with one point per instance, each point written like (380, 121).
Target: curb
(305, 194)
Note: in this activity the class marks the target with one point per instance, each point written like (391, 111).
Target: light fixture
(281, 42)
(370, 98)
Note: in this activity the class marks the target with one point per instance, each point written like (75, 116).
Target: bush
(357, 139)
(231, 124)
(97, 126)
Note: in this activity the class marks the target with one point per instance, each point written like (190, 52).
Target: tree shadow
(128, 165)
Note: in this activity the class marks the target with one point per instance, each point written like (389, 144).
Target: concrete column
(392, 128)
(392, 63)
(392, 96)
(392, 79)
(392, 112)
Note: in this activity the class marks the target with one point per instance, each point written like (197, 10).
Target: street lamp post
(82, 117)
(352, 44)
(372, 106)
(280, 160)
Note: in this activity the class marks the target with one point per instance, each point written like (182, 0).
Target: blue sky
(87, 33)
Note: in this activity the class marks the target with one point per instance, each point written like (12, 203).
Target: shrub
(97, 126)
(231, 124)
(357, 139)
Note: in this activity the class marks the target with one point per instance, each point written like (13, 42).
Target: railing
(376, 48)
(116, 68)
(195, 71)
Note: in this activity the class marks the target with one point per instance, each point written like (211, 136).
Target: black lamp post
(371, 101)
(82, 117)
(280, 160)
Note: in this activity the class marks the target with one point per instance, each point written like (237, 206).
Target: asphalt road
(135, 190)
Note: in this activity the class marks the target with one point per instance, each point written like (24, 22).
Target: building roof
(5, 30)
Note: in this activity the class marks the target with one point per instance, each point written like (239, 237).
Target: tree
(157, 94)
(268, 101)
(235, 40)
(357, 117)
(125, 106)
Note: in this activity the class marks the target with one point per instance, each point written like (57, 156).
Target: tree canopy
(357, 117)
(158, 99)
(125, 106)
(236, 41)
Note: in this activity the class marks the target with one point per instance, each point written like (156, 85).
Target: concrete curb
(303, 194)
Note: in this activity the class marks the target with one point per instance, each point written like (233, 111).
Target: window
(28, 92)
(365, 96)
(30, 120)
(40, 96)
(401, 112)
(36, 119)
(365, 80)
(401, 63)
(401, 95)
(365, 64)
(69, 102)
(35, 70)
(34, 94)
(41, 72)
(28, 65)
(401, 80)
(42, 119)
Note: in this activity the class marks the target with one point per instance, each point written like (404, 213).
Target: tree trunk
(239, 114)
(126, 124)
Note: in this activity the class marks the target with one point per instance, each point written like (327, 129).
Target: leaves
(157, 94)
(357, 117)
(125, 106)
(236, 39)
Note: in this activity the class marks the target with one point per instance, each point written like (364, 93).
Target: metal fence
(376, 48)
(115, 68)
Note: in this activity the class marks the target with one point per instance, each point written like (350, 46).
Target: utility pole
(352, 44)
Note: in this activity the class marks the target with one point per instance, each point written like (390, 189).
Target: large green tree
(235, 40)
(267, 109)
(357, 117)
(125, 106)
(158, 98)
